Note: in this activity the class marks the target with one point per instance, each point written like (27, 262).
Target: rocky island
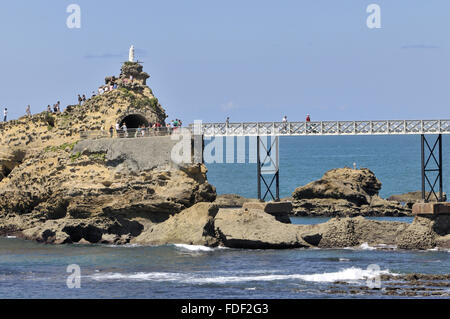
(59, 188)
(345, 192)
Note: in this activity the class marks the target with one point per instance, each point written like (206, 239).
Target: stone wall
(134, 154)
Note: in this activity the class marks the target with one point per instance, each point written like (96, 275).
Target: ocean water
(395, 160)
(32, 270)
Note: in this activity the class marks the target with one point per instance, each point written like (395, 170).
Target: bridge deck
(388, 127)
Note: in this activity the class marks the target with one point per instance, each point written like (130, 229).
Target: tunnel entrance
(134, 121)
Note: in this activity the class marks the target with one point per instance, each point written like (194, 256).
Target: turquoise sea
(31, 270)
(395, 160)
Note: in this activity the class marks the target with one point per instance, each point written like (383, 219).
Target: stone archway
(134, 121)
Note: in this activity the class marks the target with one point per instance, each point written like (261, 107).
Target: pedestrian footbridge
(385, 127)
(267, 152)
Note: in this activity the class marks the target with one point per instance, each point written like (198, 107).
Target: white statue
(131, 54)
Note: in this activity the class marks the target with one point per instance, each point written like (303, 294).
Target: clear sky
(250, 60)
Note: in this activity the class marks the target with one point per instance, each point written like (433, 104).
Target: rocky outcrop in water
(239, 228)
(62, 197)
(55, 188)
(344, 192)
(409, 199)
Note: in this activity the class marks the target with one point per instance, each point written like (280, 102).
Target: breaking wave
(348, 274)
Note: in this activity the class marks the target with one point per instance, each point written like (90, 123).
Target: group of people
(308, 119)
(56, 108)
(176, 124)
(81, 99)
(106, 88)
(123, 130)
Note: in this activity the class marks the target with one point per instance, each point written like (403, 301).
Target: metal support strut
(268, 166)
(432, 169)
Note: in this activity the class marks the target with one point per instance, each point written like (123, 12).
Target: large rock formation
(254, 229)
(132, 102)
(55, 188)
(344, 192)
(61, 196)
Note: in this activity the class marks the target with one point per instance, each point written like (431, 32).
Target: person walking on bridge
(308, 125)
(285, 124)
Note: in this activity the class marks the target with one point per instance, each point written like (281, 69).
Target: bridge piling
(274, 168)
(427, 171)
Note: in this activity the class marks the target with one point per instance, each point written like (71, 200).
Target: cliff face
(55, 191)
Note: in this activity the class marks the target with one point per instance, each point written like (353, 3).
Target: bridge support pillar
(268, 165)
(432, 169)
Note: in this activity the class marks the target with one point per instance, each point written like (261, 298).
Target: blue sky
(250, 60)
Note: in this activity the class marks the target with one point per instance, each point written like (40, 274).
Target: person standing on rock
(118, 129)
(125, 130)
(79, 100)
(28, 111)
(5, 114)
(111, 131)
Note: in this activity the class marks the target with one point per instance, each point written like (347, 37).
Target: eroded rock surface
(344, 192)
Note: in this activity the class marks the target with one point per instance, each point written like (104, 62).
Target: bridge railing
(129, 133)
(385, 127)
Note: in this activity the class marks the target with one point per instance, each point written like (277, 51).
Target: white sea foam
(348, 274)
(344, 259)
(193, 247)
(365, 246)
(139, 276)
(11, 237)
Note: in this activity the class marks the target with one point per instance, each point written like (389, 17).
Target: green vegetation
(62, 147)
(98, 156)
(75, 156)
(65, 120)
(50, 120)
(139, 102)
